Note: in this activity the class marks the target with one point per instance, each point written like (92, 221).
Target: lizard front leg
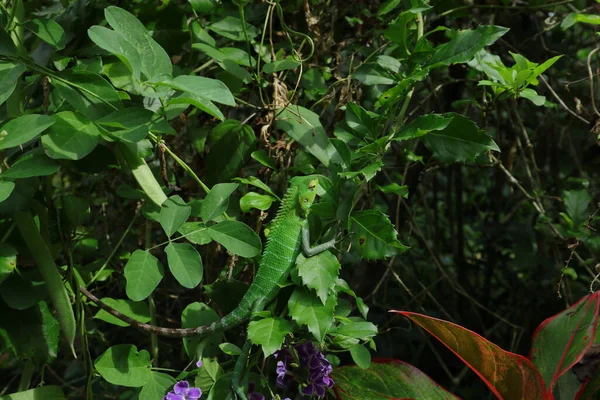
(313, 251)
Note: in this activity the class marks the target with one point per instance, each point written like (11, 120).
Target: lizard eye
(306, 200)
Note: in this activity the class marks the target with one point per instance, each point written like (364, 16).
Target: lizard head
(307, 192)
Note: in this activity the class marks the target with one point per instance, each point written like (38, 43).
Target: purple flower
(319, 369)
(281, 371)
(199, 363)
(183, 391)
(252, 395)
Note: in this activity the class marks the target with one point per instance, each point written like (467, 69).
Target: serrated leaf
(306, 309)
(216, 201)
(22, 129)
(373, 235)
(185, 264)
(319, 273)
(460, 141)
(72, 137)
(143, 273)
(269, 333)
(135, 309)
(236, 237)
(254, 200)
(173, 213)
(123, 365)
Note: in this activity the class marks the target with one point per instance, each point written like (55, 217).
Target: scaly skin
(282, 249)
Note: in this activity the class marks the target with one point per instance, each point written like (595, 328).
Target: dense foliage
(147, 148)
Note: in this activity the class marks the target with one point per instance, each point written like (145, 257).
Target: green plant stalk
(151, 305)
(49, 271)
(26, 375)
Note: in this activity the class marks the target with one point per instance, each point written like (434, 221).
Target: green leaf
(373, 235)
(8, 261)
(173, 213)
(23, 129)
(229, 153)
(576, 204)
(254, 181)
(216, 201)
(533, 96)
(359, 120)
(574, 18)
(236, 237)
(194, 315)
(254, 200)
(6, 189)
(155, 62)
(200, 103)
(396, 189)
(460, 141)
(262, 157)
(357, 329)
(48, 392)
(423, 125)
(137, 310)
(34, 163)
(306, 309)
(342, 286)
(319, 273)
(157, 386)
(49, 31)
(361, 356)
(203, 7)
(123, 365)
(372, 74)
(387, 379)
(280, 65)
(208, 375)
(10, 73)
(76, 208)
(142, 173)
(185, 264)
(211, 89)
(465, 44)
(269, 333)
(232, 28)
(388, 6)
(116, 44)
(230, 349)
(72, 137)
(304, 126)
(143, 273)
(195, 232)
(24, 290)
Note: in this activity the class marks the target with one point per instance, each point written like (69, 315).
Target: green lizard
(289, 233)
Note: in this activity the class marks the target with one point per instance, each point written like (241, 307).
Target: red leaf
(509, 376)
(562, 340)
(386, 379)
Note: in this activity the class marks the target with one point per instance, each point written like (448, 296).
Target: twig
(591, 76)
(562, 103)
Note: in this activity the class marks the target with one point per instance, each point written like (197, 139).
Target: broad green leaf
(155, 62)
(373, 235)
(230, 152)
(232, 28)
(359, 120)
(33, 333)
(173, 213)
(280, 65)
(368, 172)
(306, 309)
(216, 201)
(48, 392)
(230, 349)
(199, 102)
(396, 189)
(388, 6)
(76, 208)
(361, 356)
(142, 173)
(24, 290)
(195, 232)
(460, 141)
(254, 181)
(72, 137)
(574, 18)
(342, 286)
(304, 126)
(319, 273)
(203, 6)
(423, 125)
(576, 204)
(358, 329)
(398, 31)
(116, 44)
(269, 333)
(6, 189)
(10, 73)
(236, 237)
(386, 379)
(533, 96)
(158, 385)
(194, 315)
(185, 264)
(465, 44)
(262, 157)
(8, 261)
(208, 375)
(22, 129)
(137, 310)
(89, 93)
(49, 31)
(143, 273)
(123, 365)
(211, 89)
(560, 341)
(372, 74)
(254, 200)
(34, 163)
(508, 375)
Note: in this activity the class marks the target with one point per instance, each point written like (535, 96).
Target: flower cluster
(183, 391)
(311, 361)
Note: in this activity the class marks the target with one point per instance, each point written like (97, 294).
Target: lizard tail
(158, 330)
